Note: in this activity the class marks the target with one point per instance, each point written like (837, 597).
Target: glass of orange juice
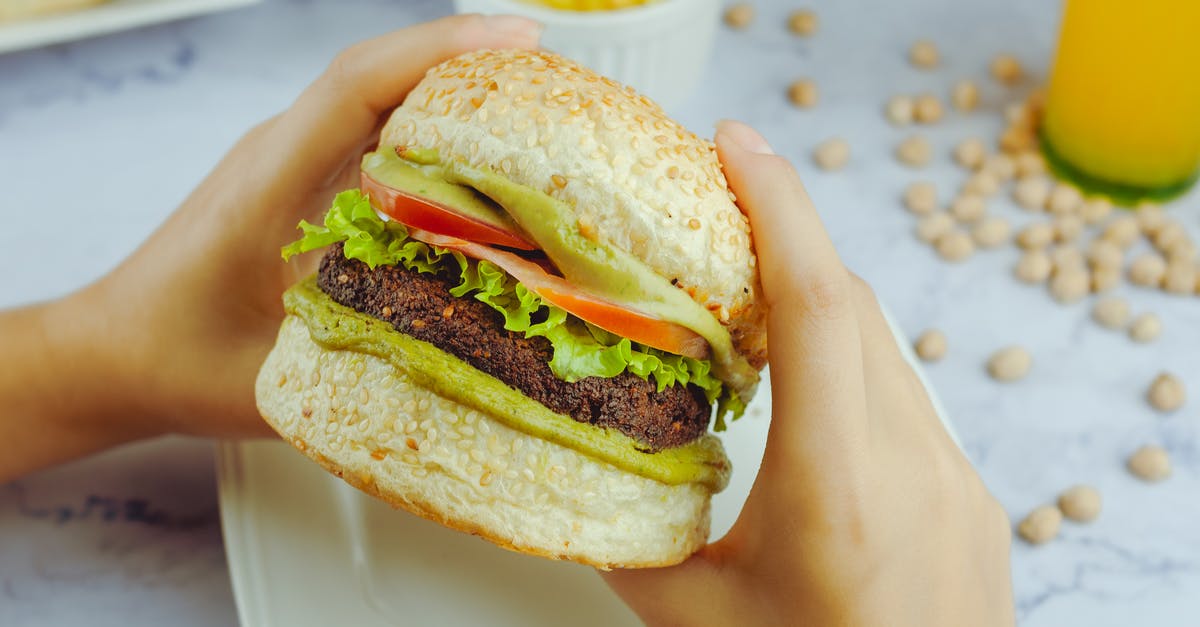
(1122, 112)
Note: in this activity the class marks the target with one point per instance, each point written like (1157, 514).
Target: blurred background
(110, 116)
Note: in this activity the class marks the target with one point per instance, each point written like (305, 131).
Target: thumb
(684, 594)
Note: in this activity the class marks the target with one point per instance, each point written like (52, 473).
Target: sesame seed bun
(636, 179)
(368, 423)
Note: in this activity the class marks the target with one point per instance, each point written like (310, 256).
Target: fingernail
(513, 25)
(745, 137)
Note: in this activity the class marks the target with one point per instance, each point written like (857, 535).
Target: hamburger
(527, 317)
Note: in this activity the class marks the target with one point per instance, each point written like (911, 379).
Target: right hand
(864, 512)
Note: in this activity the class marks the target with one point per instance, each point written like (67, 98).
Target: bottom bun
(368, 423)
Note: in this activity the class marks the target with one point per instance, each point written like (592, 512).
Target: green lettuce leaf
(580, 349)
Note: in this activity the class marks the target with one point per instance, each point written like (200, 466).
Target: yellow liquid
(589, 5)
(1123, 106)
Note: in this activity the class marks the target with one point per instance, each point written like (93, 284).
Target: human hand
(172, 339)
(864, 511)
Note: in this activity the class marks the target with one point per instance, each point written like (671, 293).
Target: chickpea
(981, 183)
(968, 208)
(1180, 278)
(955, 246)
(1041, 525)
(1111, 313)
(1034, 266)
(1080, 503)
(1166, 393)
(1122, 231)
(970, 153)
(965, 95)
(921, 198)
(1147, 270)
(803, 22)
(1105, 279)
(1031, 193)
(927, 109)
(1018, 139)
(1067, 258)
(1036, 235)
(1150, 463)
(1168, 234)
(914, 151)
(832, 154)
(1095, 210)
(1067, 228)
(1010, 364)
(1105, 254)
(1064, 199)
(899, 110)
(1030, 163)
(1006, 69)
(931, 345)
(1070, 285)
(739, 16)
(1001, 166)
(1145, 328)
(924, 54)
(1150, 218)
(803, 93)
(933, 226)
(991, 233)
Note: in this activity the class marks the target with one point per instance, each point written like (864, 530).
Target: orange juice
(1123, 108)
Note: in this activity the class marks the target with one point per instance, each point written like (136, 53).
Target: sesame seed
(694, 224)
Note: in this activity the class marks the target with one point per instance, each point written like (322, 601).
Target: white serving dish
(106, 18)
(661, 48)
(304, 548)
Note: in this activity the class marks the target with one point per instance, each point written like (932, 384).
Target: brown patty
(420, 305)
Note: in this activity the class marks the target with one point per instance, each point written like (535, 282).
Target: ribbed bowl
(661, 48)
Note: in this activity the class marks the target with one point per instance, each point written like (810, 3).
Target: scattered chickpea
(1111, 313)
(1105, 254)
(924, 54)
(965, 95)
(927, 109)
(899, 110)
(1181, 251)
(803, 22)
(1041, 525)
(832, 154)
(1000, 166)
(1064, 199)
(1006, 69)
(970, 153)
(1150, 463)
(1018, 139)
(1145, 328)
(1080, 503)
(1067, 258)
(1147, 270)
(1180, 278)
(1070, 286)
(1168, 234)
(931, 345)
(933, 226)
(1095, 210)
(1122, 231)
(968, 208)
(1067, 228)
(1031, 193)
(1010, 364)
(803, 93)
(921, 198)
(1105, 279)
(1036, 235)
(1030, 163)
(955, 246)
(1034, 267)
(739, 16)
(981, 183)
(1166, 393)
(991, 233)
(1150, 218)
(915, 151)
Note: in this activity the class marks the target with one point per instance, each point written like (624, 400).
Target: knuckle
(823, 297)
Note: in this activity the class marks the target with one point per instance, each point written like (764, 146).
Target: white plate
(304, 548)
(106, 18)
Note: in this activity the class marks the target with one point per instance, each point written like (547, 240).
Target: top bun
(636, 179)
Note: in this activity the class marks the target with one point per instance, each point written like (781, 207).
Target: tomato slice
(435, 217)
(638, 326)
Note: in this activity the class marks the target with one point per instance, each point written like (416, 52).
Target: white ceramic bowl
(661, 48)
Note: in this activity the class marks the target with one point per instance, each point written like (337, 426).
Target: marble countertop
(100, 139)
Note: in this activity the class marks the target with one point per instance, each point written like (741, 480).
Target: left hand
(180, 328)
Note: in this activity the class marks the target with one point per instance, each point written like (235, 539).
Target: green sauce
(342, 328)
(592, 265)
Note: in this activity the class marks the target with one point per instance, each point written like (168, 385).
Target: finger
(340, 111)
(812, 328)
